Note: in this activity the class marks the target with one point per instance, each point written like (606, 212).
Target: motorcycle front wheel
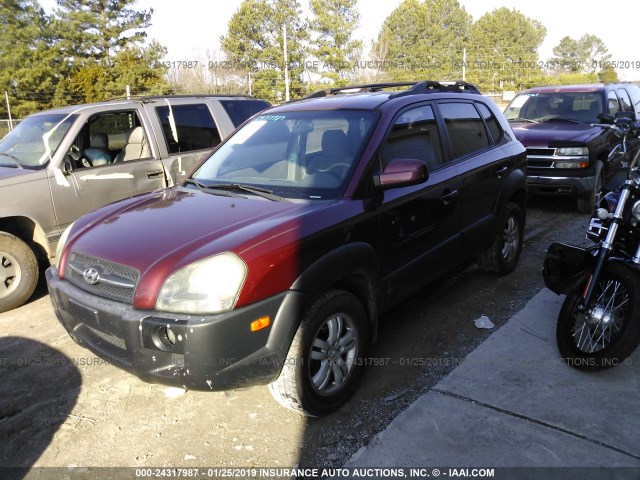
(608, 331)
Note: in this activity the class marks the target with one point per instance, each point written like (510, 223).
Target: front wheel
(608, 331)
(18, 272)
(325, 359)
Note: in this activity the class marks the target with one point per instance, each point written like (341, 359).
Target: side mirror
(67, 167)
(402, 173)
(606, 118)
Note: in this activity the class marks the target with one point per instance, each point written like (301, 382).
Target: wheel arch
(29, 232)
(354, 268)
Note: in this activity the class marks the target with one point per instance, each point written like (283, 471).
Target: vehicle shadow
(32, 407)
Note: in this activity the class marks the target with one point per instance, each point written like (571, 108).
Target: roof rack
(148, 98)
(427, 86)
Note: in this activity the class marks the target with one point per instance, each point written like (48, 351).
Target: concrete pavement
(513, 403)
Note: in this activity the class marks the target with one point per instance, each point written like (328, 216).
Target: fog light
(165, 338)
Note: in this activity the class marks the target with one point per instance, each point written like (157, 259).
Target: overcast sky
(189, 28)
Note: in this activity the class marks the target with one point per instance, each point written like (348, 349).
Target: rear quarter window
(492, 123)
(240, 110)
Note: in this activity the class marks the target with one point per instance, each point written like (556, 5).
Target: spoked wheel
(607, 331)
(323, 365)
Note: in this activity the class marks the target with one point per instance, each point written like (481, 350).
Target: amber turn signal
(260, 323)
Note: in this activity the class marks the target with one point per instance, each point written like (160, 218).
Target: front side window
(612, 101)
(414, 135)
(625, 101)
(187, 128)
(467, 132)
(303, 154)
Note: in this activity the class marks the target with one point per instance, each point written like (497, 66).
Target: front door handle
(155, 173)
(448, 198)
(502, 171)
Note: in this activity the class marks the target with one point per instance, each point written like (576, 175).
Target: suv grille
(541, 157)
(101, 277)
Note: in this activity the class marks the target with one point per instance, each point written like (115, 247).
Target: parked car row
(271, 261)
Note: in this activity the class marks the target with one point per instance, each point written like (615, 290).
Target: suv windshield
(34, 140)
(304, 154)
(580, 107)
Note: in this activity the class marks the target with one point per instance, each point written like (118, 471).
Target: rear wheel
(502, 257)
(18, 272)
(608, 331)
(324, 362)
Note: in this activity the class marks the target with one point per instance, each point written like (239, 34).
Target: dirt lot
(62, 406)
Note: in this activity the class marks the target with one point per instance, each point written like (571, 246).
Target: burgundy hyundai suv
(270, 264)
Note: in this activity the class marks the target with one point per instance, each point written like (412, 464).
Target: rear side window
(492, 123)
(466, 129)
(188, 127)
(240, 110)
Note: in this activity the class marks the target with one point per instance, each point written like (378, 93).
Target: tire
(611, 333)
(587, 203)
(18, 272)
(316, 379)
(502, 256)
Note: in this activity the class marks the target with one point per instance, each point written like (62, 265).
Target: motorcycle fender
(566, 267)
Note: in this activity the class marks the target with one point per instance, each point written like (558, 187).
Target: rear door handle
(155, 173)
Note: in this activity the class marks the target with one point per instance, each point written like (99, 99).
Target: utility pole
(6, 96)
(464, 64)
(286, 64)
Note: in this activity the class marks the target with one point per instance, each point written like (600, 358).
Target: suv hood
(177, 226)
(545, 134)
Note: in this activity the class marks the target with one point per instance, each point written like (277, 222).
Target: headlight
(61, 244)
(577, 157)
(572, 151)
(211, 285)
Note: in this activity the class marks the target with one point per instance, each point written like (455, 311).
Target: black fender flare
(353, 267)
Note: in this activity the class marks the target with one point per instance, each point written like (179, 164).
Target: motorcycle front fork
(606, 247)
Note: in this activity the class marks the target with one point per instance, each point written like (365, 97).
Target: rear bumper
(208, 352)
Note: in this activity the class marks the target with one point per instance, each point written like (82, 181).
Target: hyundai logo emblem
(91, 276)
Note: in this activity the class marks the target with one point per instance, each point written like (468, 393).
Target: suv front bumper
(196, 352)
(559, 185)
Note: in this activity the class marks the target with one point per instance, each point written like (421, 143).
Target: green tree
(588, 54)
(425, 39)
(503, 50)
(255, 43)
(333, 25)
(98, 29)
(101, 44)
(28, 64)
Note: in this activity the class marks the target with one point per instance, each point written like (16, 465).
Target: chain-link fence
(6, 126)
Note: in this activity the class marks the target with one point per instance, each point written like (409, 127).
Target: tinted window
(466, 129)
(625, 101)
(414, 135)
(240, 110)
(188, 127)
(490, 120)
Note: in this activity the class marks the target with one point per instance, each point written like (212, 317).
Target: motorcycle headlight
(635, 210)
(62, 242)
(211, 285)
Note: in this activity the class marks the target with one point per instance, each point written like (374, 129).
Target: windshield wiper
(520, 119)
(261, 192)
(560, 119)
(12, 157)
(206, 188)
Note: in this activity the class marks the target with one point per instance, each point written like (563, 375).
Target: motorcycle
(599, 323)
